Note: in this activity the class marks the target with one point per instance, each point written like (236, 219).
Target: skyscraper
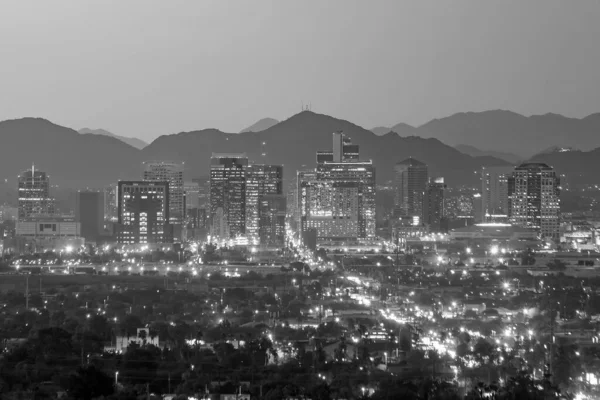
(111, 203)
(192, 195)
(533, 192)
(494, 193)
(171, 172)
(228, 194)
(433, 204)
(338, 197)
(410, 182)
(144, 212)
(90, 214)
(261, 180)
(272, 210)
(34, 194)
(203, 191)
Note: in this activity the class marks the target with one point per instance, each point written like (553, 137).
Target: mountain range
(135, 142)
(508, 132)
(475, 152)
(77, 160)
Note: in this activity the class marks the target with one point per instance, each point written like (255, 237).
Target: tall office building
(261, 180)
(192, 195)
(272, 210)
(228, 194)
(171, 172)
(89, 212)
(534, 198)
(34, 194)
(338, 197)
(433, 204)
(143, 212)
(494, 193)
(111, 203)
(203, 191)
(411, 178)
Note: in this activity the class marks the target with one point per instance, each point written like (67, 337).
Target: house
(142, 338)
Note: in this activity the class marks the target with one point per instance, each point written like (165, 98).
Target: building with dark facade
(411, 177)
(89, 212)
(494, 193)
(228, 195)
(272, 211)
(261, 180)
(143, 212)
(433, 204)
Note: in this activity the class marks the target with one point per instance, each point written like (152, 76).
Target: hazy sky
(145, 68)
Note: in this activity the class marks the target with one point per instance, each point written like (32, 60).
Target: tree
(484, 351)
(527, 257)
(89, 383)
(557, 265)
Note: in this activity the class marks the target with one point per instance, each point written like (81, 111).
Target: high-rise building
(261, 180)
(143, 212)
(534, 198)
(228, 194)
(203, 191)
(90, 214)
(34, 194)
(272, 210)
(171, 172)
(338, 197)
(411, 178)
(192, 195)
(111, 203)
(494, 193)
(433, 204)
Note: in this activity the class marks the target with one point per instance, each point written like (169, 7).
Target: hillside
(475, 152)
(72, 160)
(506, 131)
(506, 134)
(135, 142)
(295, 141)
(576, 166)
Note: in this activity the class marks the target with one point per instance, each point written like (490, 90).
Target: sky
(145, 68)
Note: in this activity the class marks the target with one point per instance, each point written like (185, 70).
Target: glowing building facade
(228, 194)
(261, 180)
(172, 172)
(534, 198)
(143, 212)
(34, 194)
(337, 199)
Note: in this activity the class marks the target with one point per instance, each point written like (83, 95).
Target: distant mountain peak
(260, 125)
(134, 142)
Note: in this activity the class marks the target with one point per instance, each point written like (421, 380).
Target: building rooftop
(534, 166)
(412, 162)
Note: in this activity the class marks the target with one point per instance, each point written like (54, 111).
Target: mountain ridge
(506, 131)
(132, 141)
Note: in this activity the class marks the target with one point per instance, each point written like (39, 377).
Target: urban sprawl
(242, 285)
